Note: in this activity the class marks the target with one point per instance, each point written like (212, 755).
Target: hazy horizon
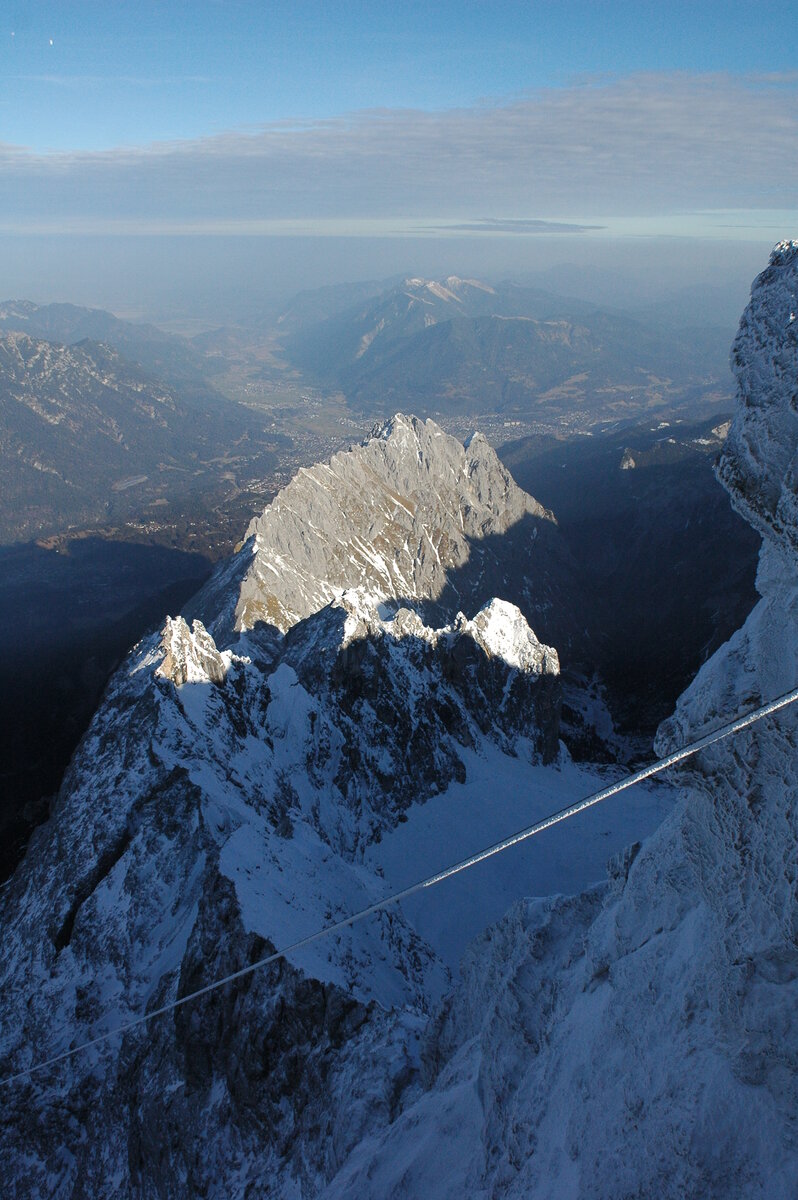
(221, 280)
(206, 161)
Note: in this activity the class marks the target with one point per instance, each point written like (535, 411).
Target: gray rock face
(758, 466)
(395, 516)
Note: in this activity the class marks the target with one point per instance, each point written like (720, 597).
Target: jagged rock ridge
(413, 517)
(395, 515)
(190, 655)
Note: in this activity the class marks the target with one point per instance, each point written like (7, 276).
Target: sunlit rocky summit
(396, 516)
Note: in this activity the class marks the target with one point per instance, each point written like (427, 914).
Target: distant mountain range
(84, 432)
(101, 417)
(163, 354)
(371, 327)
(463, 346)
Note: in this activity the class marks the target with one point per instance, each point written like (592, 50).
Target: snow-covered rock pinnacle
(190, 655)
(499, 629)
(502, 631)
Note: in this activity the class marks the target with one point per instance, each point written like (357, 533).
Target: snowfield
(500, 796)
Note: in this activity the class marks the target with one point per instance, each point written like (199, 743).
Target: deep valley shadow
(66, 621)
(666, 566)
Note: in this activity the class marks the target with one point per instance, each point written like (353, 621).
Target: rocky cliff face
(642, 1039)
(758, 466)
(410, 515)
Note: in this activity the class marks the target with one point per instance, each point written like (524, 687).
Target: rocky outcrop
(758, 464)
(190, 655)
(395, 516)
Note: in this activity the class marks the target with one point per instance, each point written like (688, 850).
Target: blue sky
(471, 133)
(87, 76)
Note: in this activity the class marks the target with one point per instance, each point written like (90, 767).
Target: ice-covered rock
(758, 464)
(499, 629)
(502, 631)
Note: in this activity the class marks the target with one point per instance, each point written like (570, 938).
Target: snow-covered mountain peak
(784, 251)
(452, 290)
(396, 425)
(501, 629)
(431, 287)
(454, 282)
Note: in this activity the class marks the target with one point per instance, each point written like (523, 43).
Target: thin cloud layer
(523, 225)
(645, 145)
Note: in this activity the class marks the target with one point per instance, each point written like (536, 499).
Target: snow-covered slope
(641, 1039)
(239, 788)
